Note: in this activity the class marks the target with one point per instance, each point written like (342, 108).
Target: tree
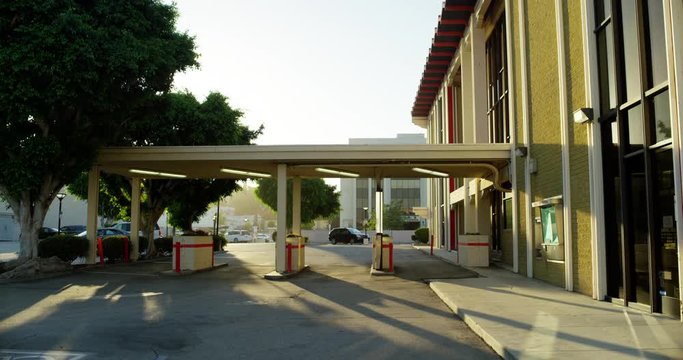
(393, 216)
(317, 198)
(178, 119)
(73, 76)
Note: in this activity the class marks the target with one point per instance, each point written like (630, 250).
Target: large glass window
(496, 76)
(636, 131)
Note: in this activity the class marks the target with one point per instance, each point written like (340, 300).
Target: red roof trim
(455, 15)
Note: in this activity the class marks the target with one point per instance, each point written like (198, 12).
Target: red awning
(453, 21)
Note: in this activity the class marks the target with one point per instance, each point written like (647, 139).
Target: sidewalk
(8, 250)
(522, 318)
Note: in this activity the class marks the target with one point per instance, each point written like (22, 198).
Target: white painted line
(120, 273)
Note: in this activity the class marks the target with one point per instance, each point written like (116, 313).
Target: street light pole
(60, 197)
(365, 220)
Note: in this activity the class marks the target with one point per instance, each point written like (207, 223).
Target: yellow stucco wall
(578, 150)
(544, 115)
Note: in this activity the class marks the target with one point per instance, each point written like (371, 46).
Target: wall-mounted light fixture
(583, 115)
(157, 173)
(245, 173)
(430, 172)
(521, 151)
(337, 172)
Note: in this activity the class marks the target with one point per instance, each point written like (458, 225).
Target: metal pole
(59, 218)
(218, 215)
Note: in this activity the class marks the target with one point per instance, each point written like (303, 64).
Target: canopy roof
(367, 161)
(453, 21)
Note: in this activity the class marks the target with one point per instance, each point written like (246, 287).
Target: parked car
(125, 226)
(72, 229)
(46, 231)
(238, 236)
(260, 237)
(346, 235)
(106, 232)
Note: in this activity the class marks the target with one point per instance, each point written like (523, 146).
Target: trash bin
(383, 252)
(296, 254)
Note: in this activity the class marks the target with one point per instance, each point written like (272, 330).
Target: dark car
(346, 235)
(72, 229)
(106, 232)
(46, 231)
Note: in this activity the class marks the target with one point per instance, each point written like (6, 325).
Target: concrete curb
(190, 272)
(276, 276)
(375, 272)
(488, 339)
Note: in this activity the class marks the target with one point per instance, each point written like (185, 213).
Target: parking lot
(334, 310)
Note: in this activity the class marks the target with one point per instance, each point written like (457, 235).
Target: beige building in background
(588, 94)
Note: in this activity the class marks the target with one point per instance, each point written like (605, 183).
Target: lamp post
(214, 224)
(365, 220)
(60, 197)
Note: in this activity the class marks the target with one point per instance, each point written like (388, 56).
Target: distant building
(357, 194)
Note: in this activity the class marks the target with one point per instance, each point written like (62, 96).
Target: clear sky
(312, 71)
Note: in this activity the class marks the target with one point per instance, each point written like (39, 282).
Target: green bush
(164, 244)
(143, 242)
(421, 235)
(114, 246)
(218, 242)
(65, 247)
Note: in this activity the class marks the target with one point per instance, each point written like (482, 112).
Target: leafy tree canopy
(178, 119)
(317, 198)
(74, 75)
(393, 216)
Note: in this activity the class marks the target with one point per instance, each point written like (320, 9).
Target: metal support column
(379, 210)
(91, 218)
(280, 256)
(296, 206)
(135, 218)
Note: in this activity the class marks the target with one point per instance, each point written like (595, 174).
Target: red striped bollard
(177, 256)
(100, 250)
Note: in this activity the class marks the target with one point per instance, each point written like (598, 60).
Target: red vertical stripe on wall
(451, 181)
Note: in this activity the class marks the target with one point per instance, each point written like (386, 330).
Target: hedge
(65, 247)
(218, 242)
(163, 244)
(421, 235)
(114, 246)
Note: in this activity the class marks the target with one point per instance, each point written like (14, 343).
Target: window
(496, 77)
(636, 144)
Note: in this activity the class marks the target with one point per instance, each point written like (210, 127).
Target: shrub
(114, 246)
(143, 243)
(421, 235)
(164, 244)
(218, 242)
(65, 247)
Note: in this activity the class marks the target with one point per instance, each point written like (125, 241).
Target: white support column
(599, 253)
(91, 219)
(673, 11)
(479, 96)
(280, 256)
(512, 103)
(467, 94)
(296, 205)
(379, 212)
(564, 138)
(526, 135)
(135, 217)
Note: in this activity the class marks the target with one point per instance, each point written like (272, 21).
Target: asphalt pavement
(334, 310)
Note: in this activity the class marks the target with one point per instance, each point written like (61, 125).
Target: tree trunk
(147, 223)
(30, 215)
